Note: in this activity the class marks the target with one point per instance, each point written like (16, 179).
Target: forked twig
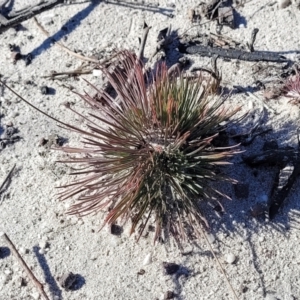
(13, 249)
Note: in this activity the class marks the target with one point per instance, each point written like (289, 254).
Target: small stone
(116, 229)
(147, 259)
(169, 295)
(41, 251)
(191, 15)
(93, 256)
(97, 72)
(284, 3)
(35, 296)
(44, 90)
(67, 280)
(8, 271)
(28, 59)
(22, 250)
(241, 190)
(211, 238)
(141, 272)
(43, 244)
(22, 282)
(257, 210)
(15, 55)
(170, 268)
(230, 258)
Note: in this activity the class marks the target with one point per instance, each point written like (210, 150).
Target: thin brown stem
(13, 249)
(220, 265)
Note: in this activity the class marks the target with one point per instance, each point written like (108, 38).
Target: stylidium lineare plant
(147, 154)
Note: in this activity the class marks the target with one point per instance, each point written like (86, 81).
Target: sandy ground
(52, 243)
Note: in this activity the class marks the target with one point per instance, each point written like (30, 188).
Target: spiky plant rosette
(292, 87)
(148, 153)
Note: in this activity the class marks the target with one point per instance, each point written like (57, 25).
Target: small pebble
(7, 271)
(44, 90)
(211, 238)
(116, 229)
(257, 210)
(230, 258)
(147, 259)
(15, 55)
(284, 3)
(141, 272)
(23, 250)
(97, 72)
(28, 59)
(67, 280)
(169, 295)
(43, 244)
(22, 282)
(170, 268)
(35, 296)
(42, 251)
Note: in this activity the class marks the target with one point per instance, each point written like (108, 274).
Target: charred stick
(252, 40)
(236, 54)
(270, 157)
(284, 183)
(143, 42)
(6, 22)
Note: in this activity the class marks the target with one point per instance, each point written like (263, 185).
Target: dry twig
(13, 249)
(220, 265)
(7, 177)
(12, 20)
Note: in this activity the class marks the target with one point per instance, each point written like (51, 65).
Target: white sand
(268, 261)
